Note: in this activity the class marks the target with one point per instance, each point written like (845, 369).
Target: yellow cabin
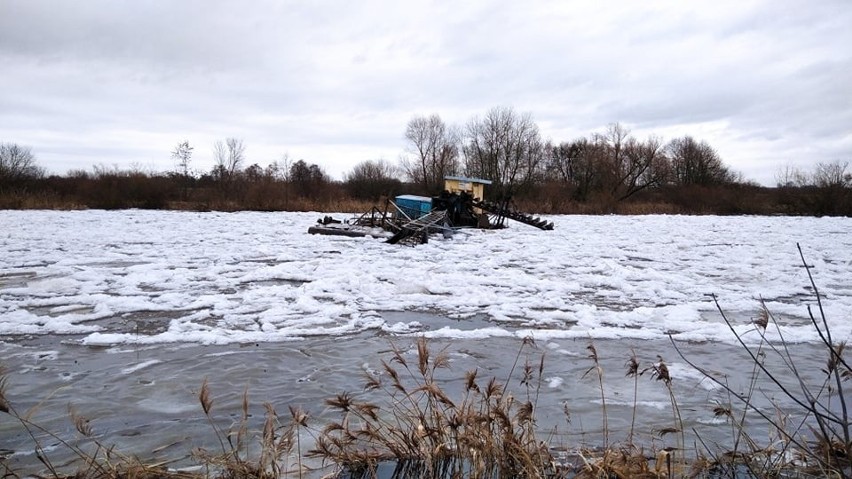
(474, 186)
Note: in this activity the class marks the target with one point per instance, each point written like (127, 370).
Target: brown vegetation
(117, 189)
(604, 173)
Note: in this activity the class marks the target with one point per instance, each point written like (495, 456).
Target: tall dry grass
(484, 431)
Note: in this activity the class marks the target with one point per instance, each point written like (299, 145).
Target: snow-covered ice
(125, 313)
(121, 277)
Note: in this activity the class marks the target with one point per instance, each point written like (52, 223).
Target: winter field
(124, 313)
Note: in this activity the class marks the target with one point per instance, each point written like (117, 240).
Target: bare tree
(254, 173)
(228, 157)
(659, 169)
(611, 158)
(182, 155)
(503, 147)
(17, 163)
(372, 179)
(577, 166)
(560, 161)
(308, 180)
(695, 163)
(435, 151)
(624, 165)
(613, 140)
(644, 166)
(281, 170)
(832, 175)
(789, 176)
(831, 192)
(825, 175)
(612, 163)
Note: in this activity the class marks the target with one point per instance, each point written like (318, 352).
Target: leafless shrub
(819, 441)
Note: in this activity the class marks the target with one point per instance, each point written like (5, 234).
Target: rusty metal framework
(450, 211)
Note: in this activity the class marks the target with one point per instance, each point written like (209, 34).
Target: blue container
(414, 206)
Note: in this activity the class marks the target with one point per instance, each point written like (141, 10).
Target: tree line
(610, 171)
(506, 148)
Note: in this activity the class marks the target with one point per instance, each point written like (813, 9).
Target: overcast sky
(766, 82)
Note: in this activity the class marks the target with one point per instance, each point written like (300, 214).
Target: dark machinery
(411, 219)
(465, 210)
(462, 210)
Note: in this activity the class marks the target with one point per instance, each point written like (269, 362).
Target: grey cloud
(299, 75)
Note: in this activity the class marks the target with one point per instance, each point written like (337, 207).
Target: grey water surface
(144, 400)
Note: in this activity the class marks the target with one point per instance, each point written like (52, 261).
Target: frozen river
(124, 313)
